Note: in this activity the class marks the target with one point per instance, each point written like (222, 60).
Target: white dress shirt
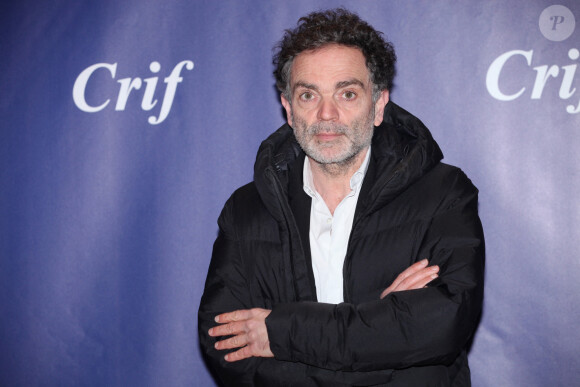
(329, 234)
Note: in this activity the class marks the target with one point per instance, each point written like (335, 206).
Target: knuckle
(234, 341)
(245, 352)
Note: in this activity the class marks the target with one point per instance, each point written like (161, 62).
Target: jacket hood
(403, 150)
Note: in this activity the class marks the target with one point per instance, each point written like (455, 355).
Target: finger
(229, 329)
(237, 341)
(422, 284)
(236, 315)
(411, 281)
(240, 354)
(386, 292)
(418, 279)
(414, 268)
(417, 266)
(416, 284)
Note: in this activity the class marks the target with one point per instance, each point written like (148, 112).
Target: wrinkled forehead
(328, 66)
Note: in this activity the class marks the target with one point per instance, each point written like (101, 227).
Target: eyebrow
(350, 82)
(305, 85)
(339, 85)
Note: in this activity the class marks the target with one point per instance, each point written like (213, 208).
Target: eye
(306, 96)
(348, 95)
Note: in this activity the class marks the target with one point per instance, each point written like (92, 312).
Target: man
(319, 275)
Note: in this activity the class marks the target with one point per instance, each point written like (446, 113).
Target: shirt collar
(355, 181)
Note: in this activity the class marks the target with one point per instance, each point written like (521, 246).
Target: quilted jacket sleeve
(226, 290)
(417, 327)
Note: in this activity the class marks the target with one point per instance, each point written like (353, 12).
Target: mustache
(326, 127)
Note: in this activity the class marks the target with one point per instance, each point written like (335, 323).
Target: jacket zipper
(347, 258)
(292, 231)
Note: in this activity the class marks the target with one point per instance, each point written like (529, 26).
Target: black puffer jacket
(411, 207)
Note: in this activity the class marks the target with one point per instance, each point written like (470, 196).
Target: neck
(332, 181)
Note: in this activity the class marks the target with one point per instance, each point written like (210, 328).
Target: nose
(327, 110)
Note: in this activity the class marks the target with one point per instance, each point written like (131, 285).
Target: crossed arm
(247, 327)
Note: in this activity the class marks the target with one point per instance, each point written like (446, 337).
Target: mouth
(328, 136)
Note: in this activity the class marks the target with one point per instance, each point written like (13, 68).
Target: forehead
(329, 65)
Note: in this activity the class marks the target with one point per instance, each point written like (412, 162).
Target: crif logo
(127, 85)
(557, 23)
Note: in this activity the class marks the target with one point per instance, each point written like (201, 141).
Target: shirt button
(329, 220)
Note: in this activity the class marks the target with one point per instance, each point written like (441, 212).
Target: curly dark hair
(338, 26)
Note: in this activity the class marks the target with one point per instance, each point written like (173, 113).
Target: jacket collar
(403, 150)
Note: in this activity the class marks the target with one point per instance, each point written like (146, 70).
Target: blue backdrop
(125, 125)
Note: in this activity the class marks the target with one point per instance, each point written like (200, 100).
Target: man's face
(331, 109)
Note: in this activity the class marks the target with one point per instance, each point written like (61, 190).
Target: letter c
(492, 79)
(81, 84)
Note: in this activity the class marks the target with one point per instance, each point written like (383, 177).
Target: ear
(380, 107)
(288, 108)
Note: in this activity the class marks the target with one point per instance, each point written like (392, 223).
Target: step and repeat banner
(125, 125)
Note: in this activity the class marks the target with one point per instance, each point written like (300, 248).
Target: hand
(416, 276)
(248, 328)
